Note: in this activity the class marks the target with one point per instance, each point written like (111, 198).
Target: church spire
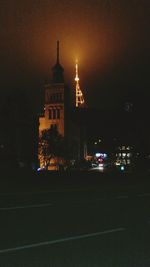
(57, 52)
(57, 70)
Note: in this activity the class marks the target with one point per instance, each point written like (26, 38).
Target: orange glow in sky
(102, 34)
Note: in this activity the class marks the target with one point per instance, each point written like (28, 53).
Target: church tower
(54, 106)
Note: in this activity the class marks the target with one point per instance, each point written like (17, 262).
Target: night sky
(110, 38)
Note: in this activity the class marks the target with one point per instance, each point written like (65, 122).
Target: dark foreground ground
(74, 219)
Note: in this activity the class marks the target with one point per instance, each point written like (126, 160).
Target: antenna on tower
(79, 95)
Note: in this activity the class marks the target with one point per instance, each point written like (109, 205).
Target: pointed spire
(57, 52)
(57, 70)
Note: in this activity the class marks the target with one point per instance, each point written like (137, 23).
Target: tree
(51, 145)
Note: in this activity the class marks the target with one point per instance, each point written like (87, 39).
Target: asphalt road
(96, 222)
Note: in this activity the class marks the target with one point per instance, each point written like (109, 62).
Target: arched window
(58, 113)
(50, 114)
(54, 113)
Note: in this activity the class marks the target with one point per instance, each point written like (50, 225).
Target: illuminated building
(54, 106)
(124, 155)
(59, 115)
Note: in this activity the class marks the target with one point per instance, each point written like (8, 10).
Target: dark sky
(110, 38)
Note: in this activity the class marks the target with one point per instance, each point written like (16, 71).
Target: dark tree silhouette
(51, 145)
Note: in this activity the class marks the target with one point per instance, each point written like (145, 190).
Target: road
(90, 223)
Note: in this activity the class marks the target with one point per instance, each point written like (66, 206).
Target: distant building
(56, 101)
(124, 155)
(59, 113)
